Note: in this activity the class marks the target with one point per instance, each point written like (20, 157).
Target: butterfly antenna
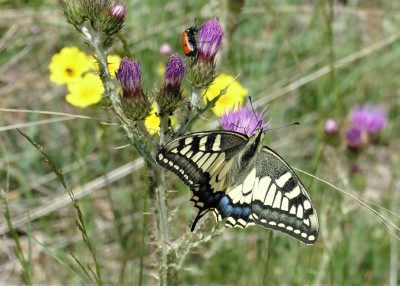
(259, 122)
(284, 126)
(237, 126)
(386, 222)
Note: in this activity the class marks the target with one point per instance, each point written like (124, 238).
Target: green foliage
(276, 45)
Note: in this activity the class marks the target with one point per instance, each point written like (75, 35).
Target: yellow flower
(85, 91)
(234, 94)
(152, 122)
(69, 64)
(161, 69)
(113, 64)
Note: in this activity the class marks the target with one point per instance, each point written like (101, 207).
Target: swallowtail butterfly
(242, 181)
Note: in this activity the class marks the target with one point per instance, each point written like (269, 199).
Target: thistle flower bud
(73, 11)
(94, 10)
(331, 126)
(165, 49)
(107, 19)
(202, 69)
(170, 94)
(134, 102)
(115, 18)
(331, 129)
(118, 10)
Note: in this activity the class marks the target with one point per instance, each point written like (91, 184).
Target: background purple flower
(369, 118)
(353, 136)
(245, 120)
(209, 40)
(165, 49)
(331, 126)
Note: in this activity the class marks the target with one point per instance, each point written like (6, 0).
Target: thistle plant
(362, 130)
(100, 23)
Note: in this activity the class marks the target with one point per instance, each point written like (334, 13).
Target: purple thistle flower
(209, 40)
(174, 72)
(369, 118)
(170, 94)
(134, 102)
(244, 120)
(331, 126)
(130, 78)
(353, 136)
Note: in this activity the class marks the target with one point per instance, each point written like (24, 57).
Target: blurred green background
(309, 61)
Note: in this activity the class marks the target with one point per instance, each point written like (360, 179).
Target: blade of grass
(80, 223)
(56, 257)
(26, 271)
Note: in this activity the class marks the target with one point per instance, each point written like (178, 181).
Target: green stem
(164, 130)
(162, 206)
(125, 45)
(115, 100)
(190, 121)
(194, 99)
(147, 135)
(162, 223)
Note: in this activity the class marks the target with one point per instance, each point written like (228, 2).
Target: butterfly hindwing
(271, 195)
(280, 201)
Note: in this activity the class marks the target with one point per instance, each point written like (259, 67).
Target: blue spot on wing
(226, 208)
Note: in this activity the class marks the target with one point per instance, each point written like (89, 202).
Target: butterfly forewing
(202, 160)
(196, 157)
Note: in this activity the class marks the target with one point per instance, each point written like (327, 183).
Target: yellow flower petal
(161, 69)
(234, 94)
(85, 91)
(152, 122)
(69, 64)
